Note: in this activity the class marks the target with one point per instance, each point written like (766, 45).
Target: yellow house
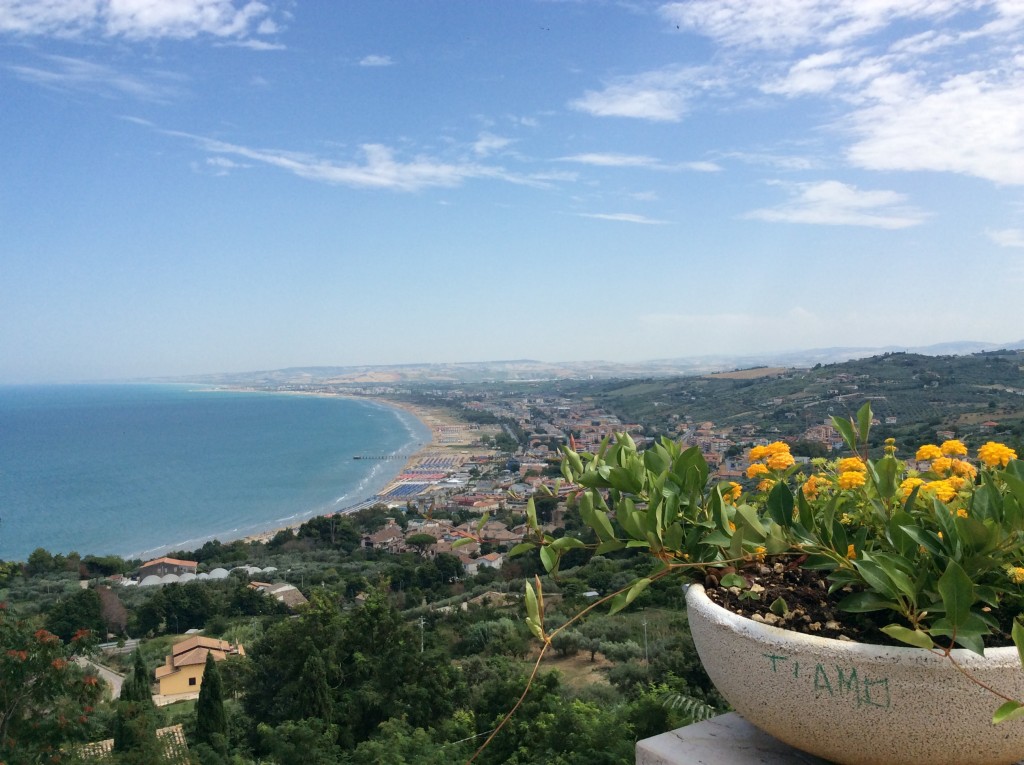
(182, 671)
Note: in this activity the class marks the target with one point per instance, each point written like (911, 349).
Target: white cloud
(489, 143)
(612, 160)
(971, 123)
(625, 218)
(839, 204)
(379, 169)
(1007, 237)
(375, 60)
(637, 160)
(67, 73)
(784, 24)
(658, 96)
(137, 19)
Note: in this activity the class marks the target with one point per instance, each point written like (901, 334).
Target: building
(164, 566)
(182, 671)
(282, 592)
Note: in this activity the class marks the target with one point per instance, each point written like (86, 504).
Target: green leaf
(462, 542)
(610, 546)
(751, 522)
(532, 608)
(531, 515)
(549, 558)
(519, 549)
(483, 520)
(845, 428)
(780, 504)
(779, 607)
(1011, 710)
(734, 580)
(876, 577)
(863, 602)
(957, 592)
(566, 543)
(864, 422)
(1017, 633)
(638, 587)
(906, 635)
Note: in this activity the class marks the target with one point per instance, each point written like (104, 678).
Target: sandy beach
(448, 433)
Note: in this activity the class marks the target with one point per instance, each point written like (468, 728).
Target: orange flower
(810, 488)
(766, 485)
(852, 463)
(851, 480)
(780, 461)
(928, 452)
(953, 448)
(942, 465)
(851, 552)
(964, 469)
(757, 469)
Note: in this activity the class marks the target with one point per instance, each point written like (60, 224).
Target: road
(113, 679)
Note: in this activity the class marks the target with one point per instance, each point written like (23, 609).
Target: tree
(211, 722)
(81, 611)
(136, 685)
(112, 611)
(421, 542)
(45, 697)
(314, 693)
(135, 722)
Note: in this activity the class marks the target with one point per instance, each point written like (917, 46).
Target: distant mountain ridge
(523, 370)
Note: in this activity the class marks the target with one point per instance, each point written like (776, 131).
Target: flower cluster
(937, 540)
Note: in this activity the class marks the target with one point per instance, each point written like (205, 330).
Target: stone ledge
(724, 740)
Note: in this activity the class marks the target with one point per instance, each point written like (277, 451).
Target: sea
(139, 470)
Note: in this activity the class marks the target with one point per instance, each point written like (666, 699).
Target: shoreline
(431, 418)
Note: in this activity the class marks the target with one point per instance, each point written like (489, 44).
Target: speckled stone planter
(858, 704)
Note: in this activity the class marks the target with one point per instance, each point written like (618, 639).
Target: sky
(201, 186)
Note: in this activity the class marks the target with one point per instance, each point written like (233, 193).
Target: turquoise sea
(136, 470)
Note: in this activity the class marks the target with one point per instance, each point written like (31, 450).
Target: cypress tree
(136, 686)
(314, 695)
(211, 723)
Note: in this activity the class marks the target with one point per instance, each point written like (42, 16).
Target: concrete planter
(859, 704)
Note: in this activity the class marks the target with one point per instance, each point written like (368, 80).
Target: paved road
(113, 679)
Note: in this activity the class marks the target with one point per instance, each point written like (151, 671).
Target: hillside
(912, 395)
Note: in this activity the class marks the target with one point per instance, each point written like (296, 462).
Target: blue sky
(195, 186)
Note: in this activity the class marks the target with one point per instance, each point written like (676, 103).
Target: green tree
(314, 693)
(81, 611)
(211, 722)
(136, 686)
(46, 699)
(421, 542)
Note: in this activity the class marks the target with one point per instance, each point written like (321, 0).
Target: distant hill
(913, 395)
(524, 370)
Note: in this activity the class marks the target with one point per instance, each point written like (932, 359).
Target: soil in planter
(809, 607)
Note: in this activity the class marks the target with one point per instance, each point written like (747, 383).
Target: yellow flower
(732, 526)
(956, 482)
(810, 488)
(778, 447)
(890, 446)
(758, 468)
(929, 452)
(1016, 574)
(964, 469)
(852, 463)
(953, 448)
(766, 485)
(851, 479)
(993, 454)
(909, 484)
(758, 453)
(759, 554)
(942, 489)
(846, 519)
(961, 512)
(851, 552)
(732, 493)
(780, 461)
(942, 465)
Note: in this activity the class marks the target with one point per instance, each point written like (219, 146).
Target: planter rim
(697, 598)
